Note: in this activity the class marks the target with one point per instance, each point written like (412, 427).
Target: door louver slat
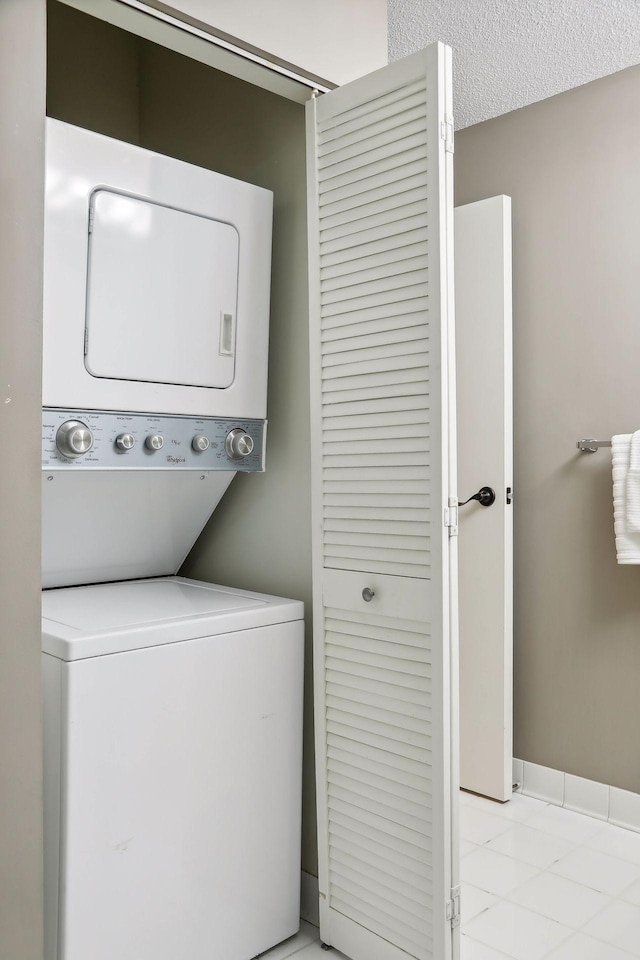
(366, 716)
(385, 507)
(340, 211)
(367, 641)
(371, 137)
(378, 480)
(355, 239)
(351, 806)
(373, 348)
(387, 541)
(394, 337)
(369, 175)
(388, 408)
(393, 215)
(371, 771)
(361, 868)
(375, 737)
(345, 291)
(351, 127)
(352, 493)
(359, 850)
(377, 442)
(361, 668)
(389, 625)
(385, 248)
(354, 161)
(408, 383)
(344, 685)
(401, 907)
(378, 319)
(391, 568)
(412, 428)
(393, 813)
(339, 376)
(352, 192)
(398, 200)
(383, 661)
(395, 770)
(350, 827)
(403, 911)
(401, 379)
(372, 458)
(390, 104)
(388, 527)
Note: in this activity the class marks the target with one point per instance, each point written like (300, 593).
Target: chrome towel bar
(591, 446)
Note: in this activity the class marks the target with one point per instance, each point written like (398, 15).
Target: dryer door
(161, 294)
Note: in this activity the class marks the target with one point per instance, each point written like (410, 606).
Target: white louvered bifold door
(380, 232)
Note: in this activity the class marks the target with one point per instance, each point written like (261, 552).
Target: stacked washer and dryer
(173, 708)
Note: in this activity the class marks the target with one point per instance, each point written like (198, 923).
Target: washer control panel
(85, 439)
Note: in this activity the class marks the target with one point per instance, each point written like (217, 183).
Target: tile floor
(543, 883)
(538, 883)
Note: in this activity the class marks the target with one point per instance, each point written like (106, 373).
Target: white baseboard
(620, 807)
(309, 908)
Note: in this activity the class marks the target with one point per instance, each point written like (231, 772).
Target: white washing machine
(173, 727)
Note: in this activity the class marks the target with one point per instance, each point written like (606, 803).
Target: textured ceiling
(508, 53)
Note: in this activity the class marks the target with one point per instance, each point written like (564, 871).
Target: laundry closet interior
(117, 84)
(114, 83)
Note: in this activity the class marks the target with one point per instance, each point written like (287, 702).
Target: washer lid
(90, 621)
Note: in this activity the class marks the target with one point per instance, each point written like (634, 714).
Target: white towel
(627, 541)
(633, 485)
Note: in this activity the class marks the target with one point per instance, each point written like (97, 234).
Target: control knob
(73, 439)
(125, 441)
(238, 444)
(200, 443)
(155, 441)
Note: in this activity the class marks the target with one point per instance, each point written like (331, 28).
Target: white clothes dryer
(173, 757)
(156, 282)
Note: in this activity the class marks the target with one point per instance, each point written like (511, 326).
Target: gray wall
(22, 92)
(572, 166)
(92, 74)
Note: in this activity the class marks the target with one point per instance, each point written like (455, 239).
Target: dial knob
(125, 441)
(73, 439)
(200, 443)
(238, 444)
(154, 442)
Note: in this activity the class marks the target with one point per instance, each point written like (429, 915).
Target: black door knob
(485, 496)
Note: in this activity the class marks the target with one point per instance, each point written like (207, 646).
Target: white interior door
(383, 475)
(485, 458)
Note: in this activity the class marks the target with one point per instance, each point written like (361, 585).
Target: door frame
(199, 42)
(22, 109)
